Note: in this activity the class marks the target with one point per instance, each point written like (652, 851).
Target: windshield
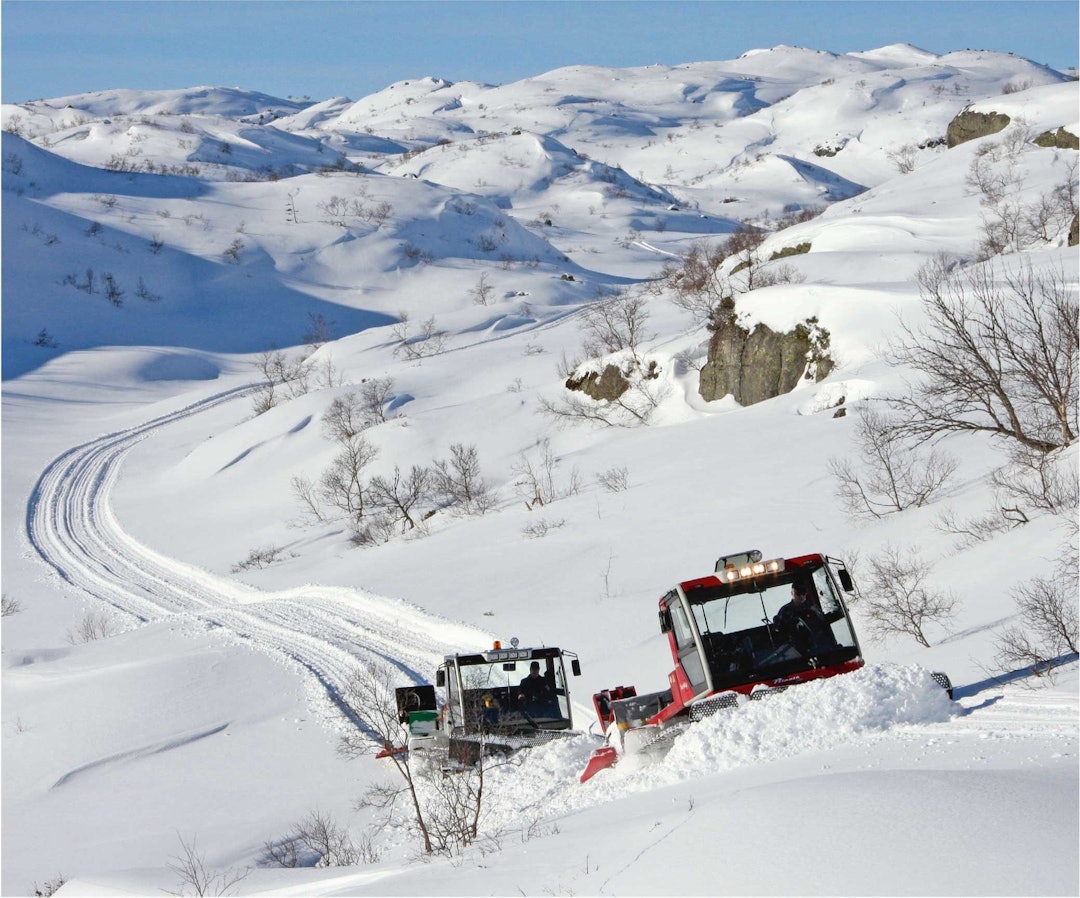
(769, 631)
(504, 696)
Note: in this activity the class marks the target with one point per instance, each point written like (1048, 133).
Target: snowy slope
(137, 477)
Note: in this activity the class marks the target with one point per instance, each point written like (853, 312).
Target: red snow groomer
(747, 631)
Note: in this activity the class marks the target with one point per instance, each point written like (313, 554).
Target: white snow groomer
(497, 701)
(749, 630)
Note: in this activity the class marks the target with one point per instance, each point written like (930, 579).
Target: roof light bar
(757, 569)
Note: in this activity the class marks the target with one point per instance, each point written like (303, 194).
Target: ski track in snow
(329, 632)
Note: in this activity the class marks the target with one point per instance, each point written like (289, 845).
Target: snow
(137, 479)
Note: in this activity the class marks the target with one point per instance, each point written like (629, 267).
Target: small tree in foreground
(1047, 628)
(190, 866)
(997, 354)
(894, 473)
(900, 598)
(459, 481)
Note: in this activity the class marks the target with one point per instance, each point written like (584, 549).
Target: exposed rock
(756, 365)
(968, 125)
(1059, 139)
(1074, 231)
(609, 384)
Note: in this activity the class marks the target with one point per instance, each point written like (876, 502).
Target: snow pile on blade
(812, 717)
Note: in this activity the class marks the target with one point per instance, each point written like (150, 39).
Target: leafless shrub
(113, 292)
(972, 530)
(771, 275)
(94, 625)
(1047, 629)
(537, 483)
(904, 158)
(259, 558)
(307, 494)
(481, 293)
(282, 378)
(369, 697)
(50, 888)
(459, 482)
(398, 496)
(987, 178)
(195, 879)
(234, 250)
(341, 486)
(899, 600)
(632, 408)
(145, 293)
(1040, 481)
(614, 324)
(994, 357)
(9, 605)
(429, 340)
(893, 473)
(540, 528)
(344, 418)
(320, 331)
(614, 480)
(317, 841)
(1014, 87)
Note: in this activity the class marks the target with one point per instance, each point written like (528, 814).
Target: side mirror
(665, 620)
(440, 678)
(845, 580)
(575, 667)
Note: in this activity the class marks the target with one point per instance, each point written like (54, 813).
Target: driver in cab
(802, 624)
(536, 694)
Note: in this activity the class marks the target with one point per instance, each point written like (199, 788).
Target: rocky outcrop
(1074, 231)
(754, 365)
(968, 125)
(609, 384)
(1059, 139)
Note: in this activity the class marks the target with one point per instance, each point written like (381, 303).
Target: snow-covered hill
(445, 242)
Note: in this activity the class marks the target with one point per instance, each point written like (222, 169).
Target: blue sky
(323, 49)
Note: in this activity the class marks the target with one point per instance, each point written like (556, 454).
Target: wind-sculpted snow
(329, 633)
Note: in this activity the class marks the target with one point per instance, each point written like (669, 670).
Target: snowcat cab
(728, 639)
(488, 707)
(737, 635)
(485, 695)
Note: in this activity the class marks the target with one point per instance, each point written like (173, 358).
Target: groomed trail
(329, 632)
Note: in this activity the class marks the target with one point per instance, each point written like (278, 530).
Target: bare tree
(994, 357)
(399, 495)
(190, 866)
(282, 378)
(344, 418)
(369, 696)
(316, 841)
(307, 494)
(537, 477)
(614, 480)
(429, 340)
(94, 625)
(375, 395)
(893, 475)
(900, 598)
(9, 605)
(614, 324)
(481, 293)
(459, 481)
(1046, 482)
(342, 487)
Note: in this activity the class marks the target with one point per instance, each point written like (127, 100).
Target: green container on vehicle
(422, 723)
